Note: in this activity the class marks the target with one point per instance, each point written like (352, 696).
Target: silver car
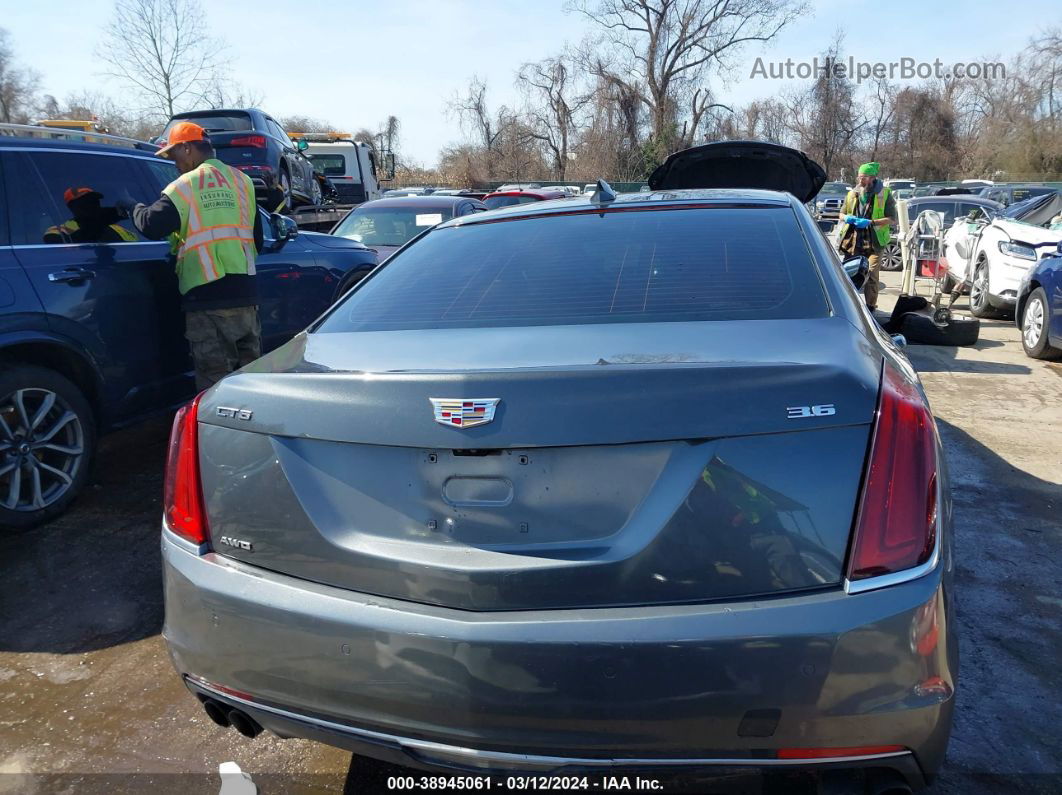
(603, 484)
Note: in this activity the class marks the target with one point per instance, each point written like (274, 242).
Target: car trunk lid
(741, 164)
(658, 478)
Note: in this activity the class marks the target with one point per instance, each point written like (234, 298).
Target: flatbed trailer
(321, 217)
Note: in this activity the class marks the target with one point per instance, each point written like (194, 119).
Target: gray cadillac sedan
(609, 483)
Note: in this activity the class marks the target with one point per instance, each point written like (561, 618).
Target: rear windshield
(228, 122)
(642, 266)
(331, 165)
(494, 202)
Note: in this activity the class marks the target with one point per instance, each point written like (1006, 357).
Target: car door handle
(71, 275)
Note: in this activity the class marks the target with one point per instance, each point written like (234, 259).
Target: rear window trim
(605, 210)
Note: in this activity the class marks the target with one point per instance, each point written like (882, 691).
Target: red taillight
(249, 140)
(896, 528)
(831, 753)
(183, 492)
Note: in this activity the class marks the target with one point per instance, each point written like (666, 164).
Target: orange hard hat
(182, 132)
(76, 193)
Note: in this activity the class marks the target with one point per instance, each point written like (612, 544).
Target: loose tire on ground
(47, 442)
(1034, 327)
(920, 329)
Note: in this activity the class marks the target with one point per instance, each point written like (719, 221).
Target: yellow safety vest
(884, 233)
(217, 206)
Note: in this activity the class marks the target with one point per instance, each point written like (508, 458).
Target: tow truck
(350, 166)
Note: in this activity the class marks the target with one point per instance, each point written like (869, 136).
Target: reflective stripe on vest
(216, 205)
(883, 233)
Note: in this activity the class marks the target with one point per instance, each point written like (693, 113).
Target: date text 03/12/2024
(523, 784)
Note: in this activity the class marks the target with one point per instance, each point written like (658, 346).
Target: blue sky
(408, 57)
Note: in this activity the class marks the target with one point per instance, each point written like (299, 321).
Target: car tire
(316, 196)
(43, 467)
(958, 331)
(891, 258)
(980, 301)
(1034, 327)
(284, 182)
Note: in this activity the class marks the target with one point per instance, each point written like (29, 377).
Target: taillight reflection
(896, 528)
(183, 492)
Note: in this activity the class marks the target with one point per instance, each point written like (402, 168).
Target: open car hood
(741, 164)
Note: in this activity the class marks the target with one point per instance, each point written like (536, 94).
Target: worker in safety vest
(866, 220)
(91, 222)
(210, 215)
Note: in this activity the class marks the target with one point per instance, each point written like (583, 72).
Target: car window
(627, 266)
(160, 173)
(278, 132)
(390, 226)
(227, 122)
(965, 208)
(494, 202)
(83, 188)
(33, 213)
(947, 209)
(331, 164)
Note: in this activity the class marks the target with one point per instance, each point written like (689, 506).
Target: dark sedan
(386, 225)
(601, 484)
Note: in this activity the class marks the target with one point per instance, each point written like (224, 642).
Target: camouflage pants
(221, 341)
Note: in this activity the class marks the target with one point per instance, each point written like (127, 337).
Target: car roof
(143, 148)
(419, 202)
(542, 193)
(661, 198)
(971, 198)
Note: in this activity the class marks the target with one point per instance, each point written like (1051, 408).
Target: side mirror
(284, 229)
(302, 144)
(857, 269)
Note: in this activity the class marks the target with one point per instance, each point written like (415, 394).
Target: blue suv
(91, 330)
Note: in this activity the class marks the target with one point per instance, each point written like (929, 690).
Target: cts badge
(239, 414)
(464, 412)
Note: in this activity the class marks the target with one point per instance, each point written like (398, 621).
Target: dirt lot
(89, 701)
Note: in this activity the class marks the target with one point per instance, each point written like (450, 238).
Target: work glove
(124, 204)
(857, 222)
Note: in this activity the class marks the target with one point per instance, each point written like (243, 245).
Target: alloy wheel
(979, 288)
(1033, 322)
(891, 260)
(285, 188)
(42, 449)
(315, 192)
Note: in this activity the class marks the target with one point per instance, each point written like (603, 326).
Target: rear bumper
(662, 687)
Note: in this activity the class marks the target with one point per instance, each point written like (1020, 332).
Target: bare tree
(306, 124)
(221, 92)
(553, 107)
(826, 117)
(163, 50)
(486, 126)
(664, 52)
(18, 85)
